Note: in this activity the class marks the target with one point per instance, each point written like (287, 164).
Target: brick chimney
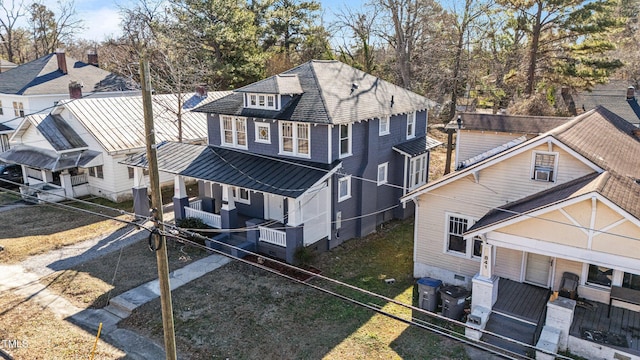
(201, 90)
(62, 61)
(92, 57)
(75, 90)
(631, 93)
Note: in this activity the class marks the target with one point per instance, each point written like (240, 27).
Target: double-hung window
(384, 126)
(344, 188)
(241, 195)
(295, 139)
(457, 225)
(18, 109)
(345, 140)
(383, 170)
(544, 166)
(234, 131)
(411, 125)
(418, 171)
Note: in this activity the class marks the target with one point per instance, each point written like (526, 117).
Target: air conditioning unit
(542, 175)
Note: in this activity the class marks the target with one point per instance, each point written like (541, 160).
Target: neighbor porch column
(228, 211)
(65, 183)
(140, 197)
(485, 294)
(180, 198)
(294, 230)
(47, 176)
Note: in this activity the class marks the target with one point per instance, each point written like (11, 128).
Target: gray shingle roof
(236, 168)
(334, 93)
(519, 124)
(612, 96)
(57, 132)
(42, 77)
(417, 146)
(285, 84)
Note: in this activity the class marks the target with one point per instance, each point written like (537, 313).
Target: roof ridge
(320, 91)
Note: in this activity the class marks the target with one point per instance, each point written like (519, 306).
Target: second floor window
(411, 125)
(261, 101)
(18, 109)
(384, 126)
(544, 165)
(294, 139)
(345, 140)
(418, 171)
(234, 131)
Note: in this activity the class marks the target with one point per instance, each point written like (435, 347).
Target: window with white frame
(599, 275)
(18, 109)
(345, 140)
(457, 225)
(418, 171)
(411, 125)
(382, 173)
(234, 131)
(263, 132)
(344, 188)
(295, 139)
(241, 195)
(262, 101)
(384, 126)
(544, 166)
(96, 171)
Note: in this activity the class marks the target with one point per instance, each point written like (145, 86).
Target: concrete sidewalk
(23, 280)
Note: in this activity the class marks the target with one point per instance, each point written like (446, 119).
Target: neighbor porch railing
(208, 218)
(79, 179)
(196, 204)
(272, 236)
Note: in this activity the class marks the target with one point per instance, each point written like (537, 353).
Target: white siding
(499, 184)
(472, 143)
(32, 137)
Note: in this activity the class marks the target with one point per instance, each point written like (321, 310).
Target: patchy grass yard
(41, 335)
(240, 311)
(92, 283)
(35, 229)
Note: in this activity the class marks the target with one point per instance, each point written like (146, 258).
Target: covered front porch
(278, 206)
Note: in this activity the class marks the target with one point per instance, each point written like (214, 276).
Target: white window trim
(412, 116)
(387, 120)
(238, 199)
(257, 126)
(265, 97)
(533, 165)
(234, 130)
(424, 173)
(384, 166)
(350, 141)
(469, 245)
(295, 139)
(616, 278)
(346, 179)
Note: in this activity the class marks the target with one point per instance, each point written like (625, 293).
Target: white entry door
(275, 209)
(538, 269)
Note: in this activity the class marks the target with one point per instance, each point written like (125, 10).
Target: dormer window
(262, 101)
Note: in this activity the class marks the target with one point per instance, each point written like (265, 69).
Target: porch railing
(272, 236)
(196, 204)
(79, 179)
(208, 218)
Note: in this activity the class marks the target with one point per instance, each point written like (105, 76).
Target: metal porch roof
(48, 160)
(289, 178)
(417, 146)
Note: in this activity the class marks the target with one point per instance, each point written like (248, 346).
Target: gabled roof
(117, 123)
(519, 124)
(598, 136)
(417, 146)
(613, 96)
(42, 77)
(237, 168)
(333, 93)
(57, 132)
(4, 129)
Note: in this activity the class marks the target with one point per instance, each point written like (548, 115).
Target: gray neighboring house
(311, 157)
(618, 96)
(37, 86)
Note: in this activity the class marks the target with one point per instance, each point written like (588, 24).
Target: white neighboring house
(75, 150)
(37, 86)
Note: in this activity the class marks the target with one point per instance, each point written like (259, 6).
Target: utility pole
(156, 203)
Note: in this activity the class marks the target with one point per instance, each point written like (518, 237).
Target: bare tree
(359, 27)
(51, 30)
(13, 11)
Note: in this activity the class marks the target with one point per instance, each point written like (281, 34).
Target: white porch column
(227, 198)
(180, 199)
(65, 183)
(179, 189)
(47, 176)
(485, 294)
(140, 196)
(138, 178)
(293, 212)
(486, 265)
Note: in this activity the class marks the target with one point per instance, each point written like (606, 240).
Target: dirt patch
(93, 283)
(35, 333)
(284, 269)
